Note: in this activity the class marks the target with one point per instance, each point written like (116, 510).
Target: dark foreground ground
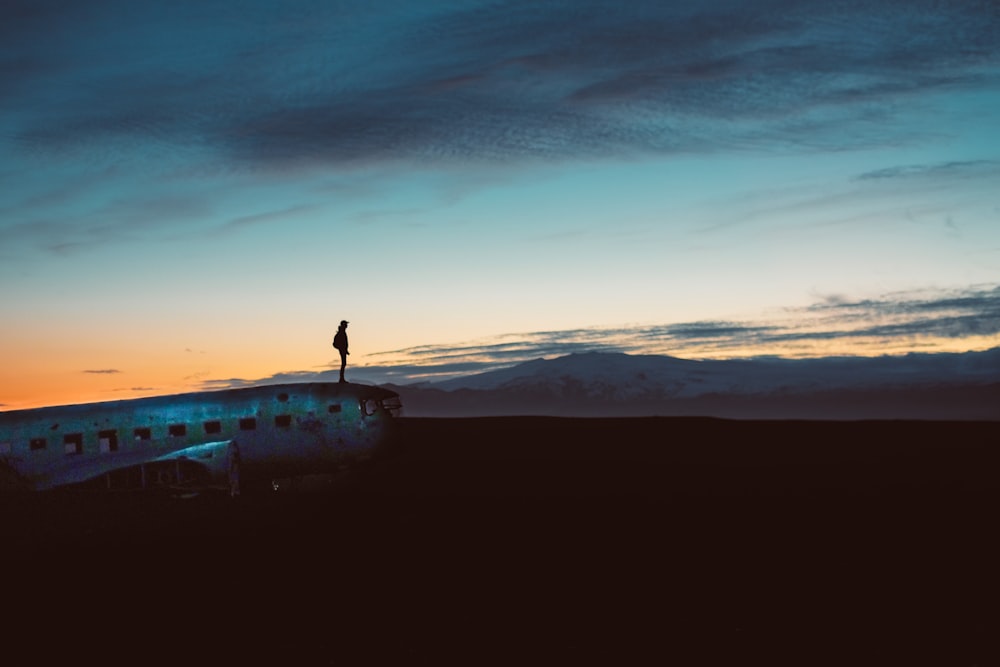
(526, 540)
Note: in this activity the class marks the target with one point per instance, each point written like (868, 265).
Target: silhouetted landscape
(706, 541)
(960, 386)
(674, 333)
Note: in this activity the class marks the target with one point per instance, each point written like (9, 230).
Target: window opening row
(108, 440)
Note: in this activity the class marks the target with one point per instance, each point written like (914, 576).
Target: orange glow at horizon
(46, 382)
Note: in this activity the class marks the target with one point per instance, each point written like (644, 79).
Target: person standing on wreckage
(340, 342)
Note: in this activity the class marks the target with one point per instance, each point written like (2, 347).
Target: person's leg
(343, 364)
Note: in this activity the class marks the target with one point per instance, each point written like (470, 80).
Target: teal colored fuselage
(280, 431)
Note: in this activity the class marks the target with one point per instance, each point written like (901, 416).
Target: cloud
(962, 169)
(117, 218)
(270, 217)
(869, 197)
(485, 80)
(872, 326)
(123, 96)
(972, 312)
(103, 371)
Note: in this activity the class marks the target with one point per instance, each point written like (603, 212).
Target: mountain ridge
(917, 385)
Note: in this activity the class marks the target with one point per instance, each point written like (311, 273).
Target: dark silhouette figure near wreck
(340, 342)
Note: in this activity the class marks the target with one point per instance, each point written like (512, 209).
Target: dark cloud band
(484, 80)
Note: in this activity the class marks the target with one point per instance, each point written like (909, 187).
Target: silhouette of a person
(340, 342)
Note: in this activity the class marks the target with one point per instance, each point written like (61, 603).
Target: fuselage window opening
(393, 406)
(73, 443)
(282, 421)
(368, 406)
(177, 430)
(248, 423)
(37, 443)
(214, 426)
(334, 408)
(108, 440)
(142, 434)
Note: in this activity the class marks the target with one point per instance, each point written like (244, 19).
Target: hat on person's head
(343, 322)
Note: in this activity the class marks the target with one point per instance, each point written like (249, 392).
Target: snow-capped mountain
(614, 383)
(627, 376)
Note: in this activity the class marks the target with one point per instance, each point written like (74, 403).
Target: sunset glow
(193, 195)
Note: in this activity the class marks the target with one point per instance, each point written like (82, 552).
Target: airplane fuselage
(278, 430)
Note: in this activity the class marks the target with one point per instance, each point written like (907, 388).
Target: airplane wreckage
(195, 441)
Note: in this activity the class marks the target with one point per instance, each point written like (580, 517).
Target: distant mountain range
(963, 386)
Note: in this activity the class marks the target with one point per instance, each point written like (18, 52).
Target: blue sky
(195, 193)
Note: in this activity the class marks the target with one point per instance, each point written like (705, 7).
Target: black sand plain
(535, 539)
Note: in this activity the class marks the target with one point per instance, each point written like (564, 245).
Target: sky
(193, 194)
